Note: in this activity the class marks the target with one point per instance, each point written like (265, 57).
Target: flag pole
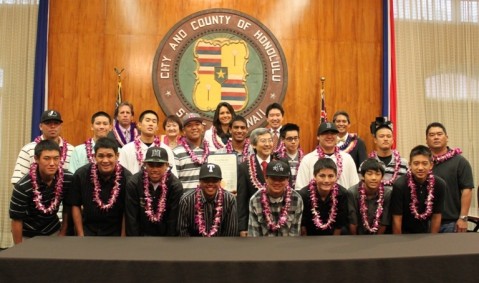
(324, 115)
(119, 98)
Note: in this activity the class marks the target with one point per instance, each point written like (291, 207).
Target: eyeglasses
(291, 139)
(265, 140)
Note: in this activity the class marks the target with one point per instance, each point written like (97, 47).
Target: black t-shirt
(401, 200)
(324, 208)
(98, 222)
(457, 174)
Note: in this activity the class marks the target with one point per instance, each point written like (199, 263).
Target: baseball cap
(192, 117)
(278, 168)
(210, 170)
(51, 115)
(327, 127)
(156, 154)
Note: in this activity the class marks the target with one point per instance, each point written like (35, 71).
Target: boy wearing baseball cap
(152, 197)
(276, 209)
(208, 210)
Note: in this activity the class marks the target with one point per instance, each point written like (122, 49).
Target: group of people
(126, 180)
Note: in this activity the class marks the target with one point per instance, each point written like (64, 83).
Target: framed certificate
(229, 169)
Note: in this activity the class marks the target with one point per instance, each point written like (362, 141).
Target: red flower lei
(89, 150)
(155, 217)
(230, 149)
(283, 215)
(397, 164)
(446, 156)
(96, 189)
(314, 206)
(252, 172)
(214, 138)
(364, 209)
(139, 153)
(37, 195)
(63, 150)
(199, 213)
(413, 206)
(339, 159)
(194, 158)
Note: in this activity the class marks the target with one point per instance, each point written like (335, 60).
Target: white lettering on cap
(278, 168)
(155, 153)
(210, 167)
(52, 114)
(328, 125)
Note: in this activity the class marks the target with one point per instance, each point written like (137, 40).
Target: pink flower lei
(139, 153)
(397, 164)
(314, 206)
(155, 217)
(363, 208)
(280, 148)
(283, 215)
(252, 172)
(339, 159)
(281, 153)
(244, 154)
(446, 156)
(89, 150)
(199, 213)
(413, 206)
(214, 138)
(194, 158)
(63, 150)
(37, 195)
(96, 188)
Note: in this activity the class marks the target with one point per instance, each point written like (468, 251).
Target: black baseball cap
(210, 170)
(51, 115)
(327, 127)
(156, 154)
(278, 168)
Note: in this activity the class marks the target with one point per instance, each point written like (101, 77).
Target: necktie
(275, 138)
(264, 164)
(127, 136)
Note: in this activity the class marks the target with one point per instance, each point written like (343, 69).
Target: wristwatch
(463, 217)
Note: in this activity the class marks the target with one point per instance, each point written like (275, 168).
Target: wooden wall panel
(338, 39)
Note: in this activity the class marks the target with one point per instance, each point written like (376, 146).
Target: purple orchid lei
(37, 195)
(314, 206)
(413, 206)
(199, 213)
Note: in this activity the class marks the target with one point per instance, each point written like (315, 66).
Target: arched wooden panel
(338, 39)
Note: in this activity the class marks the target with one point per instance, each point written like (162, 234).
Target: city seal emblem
(219, 55)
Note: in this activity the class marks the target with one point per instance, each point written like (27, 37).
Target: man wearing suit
(349, 142)
(251, 174)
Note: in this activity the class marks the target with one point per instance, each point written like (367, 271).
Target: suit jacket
(246, 189)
